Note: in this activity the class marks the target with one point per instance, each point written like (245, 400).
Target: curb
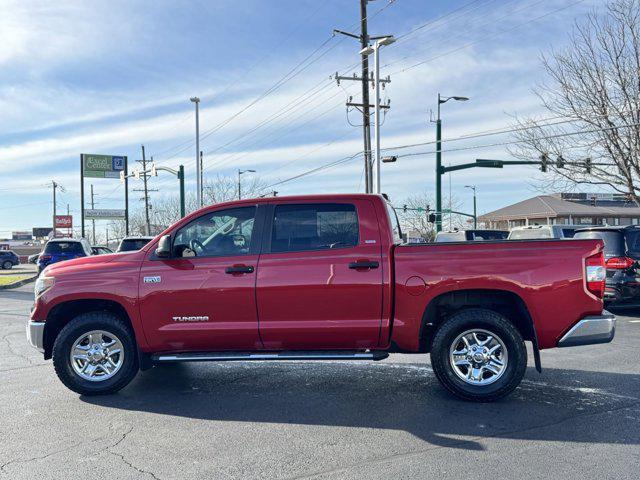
(19, 283)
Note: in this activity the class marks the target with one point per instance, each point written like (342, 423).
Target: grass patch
(8, 279)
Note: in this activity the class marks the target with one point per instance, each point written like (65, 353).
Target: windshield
(129, 245)
(613, 240)
(530, 234)
(72, 248)
(488, 234)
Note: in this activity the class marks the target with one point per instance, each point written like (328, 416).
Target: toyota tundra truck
(318, 277)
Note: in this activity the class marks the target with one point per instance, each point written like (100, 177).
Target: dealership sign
(102, 166)
(104, 214)
(64, 221)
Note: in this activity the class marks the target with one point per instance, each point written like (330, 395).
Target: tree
(593, 85)
(416, 218)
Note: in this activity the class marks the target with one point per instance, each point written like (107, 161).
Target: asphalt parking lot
(579, 419)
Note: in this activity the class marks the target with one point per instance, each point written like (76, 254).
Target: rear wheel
(95, 354)
(7, 265)
(478, 355)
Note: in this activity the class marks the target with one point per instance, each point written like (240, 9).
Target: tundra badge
(156, 279)
(196, 318)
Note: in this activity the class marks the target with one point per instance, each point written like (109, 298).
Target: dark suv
(8, 259)
(621, 255)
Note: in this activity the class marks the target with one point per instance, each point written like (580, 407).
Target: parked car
(543, 231)
(129, 244)
(61, 249)
(8, 259)
(621, 254)
(471, 235)
(317, 277)
(100, 250)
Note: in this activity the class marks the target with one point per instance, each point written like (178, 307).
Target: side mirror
(164, 247)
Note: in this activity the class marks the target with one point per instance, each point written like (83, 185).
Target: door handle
(363, 264)
(239, 269)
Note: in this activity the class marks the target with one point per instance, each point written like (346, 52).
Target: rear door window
(317, 226)
(613, 241)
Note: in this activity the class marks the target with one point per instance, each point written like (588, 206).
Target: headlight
(42, 285)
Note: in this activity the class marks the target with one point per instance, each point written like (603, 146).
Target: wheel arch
(64, 312)
(505, 302)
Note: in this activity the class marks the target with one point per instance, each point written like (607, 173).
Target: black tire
(487, 320)
(85, 323)
(7, 265)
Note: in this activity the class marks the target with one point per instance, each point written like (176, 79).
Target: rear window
(633, 243)
(530, 234)
(74, 248)
(613, 240)
(132, 244)
(568, 232)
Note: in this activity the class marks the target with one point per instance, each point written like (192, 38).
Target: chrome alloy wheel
(97, 355)
(478, 357)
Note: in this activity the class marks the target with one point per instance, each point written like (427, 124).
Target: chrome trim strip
(35, 334)
(590, 331)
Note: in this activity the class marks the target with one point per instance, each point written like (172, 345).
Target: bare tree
(593, 93)
(416, 218)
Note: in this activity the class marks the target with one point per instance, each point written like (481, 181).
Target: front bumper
(591, 330)
(35, 334)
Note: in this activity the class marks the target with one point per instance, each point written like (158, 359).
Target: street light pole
(196, 100)
(240, 172)
(439, 172)
(375, 49)
(475, 213)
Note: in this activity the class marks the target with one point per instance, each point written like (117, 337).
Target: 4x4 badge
(156, 279)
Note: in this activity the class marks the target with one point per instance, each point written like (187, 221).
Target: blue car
(8, 259)
(61, 249)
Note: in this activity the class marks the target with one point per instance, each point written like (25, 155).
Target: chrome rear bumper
(35, 334)
(591, 330)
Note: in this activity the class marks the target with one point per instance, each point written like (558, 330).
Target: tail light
(44, 258)
(595, 274)
(620, 263)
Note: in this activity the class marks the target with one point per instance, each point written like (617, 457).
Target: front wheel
(95, 354)
(478, 355)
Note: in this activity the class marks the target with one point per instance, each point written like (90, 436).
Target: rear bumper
(35, 334)
(590, 331)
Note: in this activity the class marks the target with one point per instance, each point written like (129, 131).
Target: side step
(292, 355)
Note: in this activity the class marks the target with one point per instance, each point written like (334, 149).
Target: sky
(107, 77)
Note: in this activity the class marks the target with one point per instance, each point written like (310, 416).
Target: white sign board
(104, 213)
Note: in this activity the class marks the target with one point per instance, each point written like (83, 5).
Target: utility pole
(196, 100)
(93, 221)
(145, 177)
(364, 79)
(54, 185)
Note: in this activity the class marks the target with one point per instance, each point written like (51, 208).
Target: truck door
(203, 297)
(319, 282)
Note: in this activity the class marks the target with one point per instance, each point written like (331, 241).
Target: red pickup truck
(315, 278)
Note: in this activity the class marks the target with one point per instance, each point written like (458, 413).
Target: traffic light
(587, 164)
(560, 162)
(432, 218)
(404, 208)
(544, 161)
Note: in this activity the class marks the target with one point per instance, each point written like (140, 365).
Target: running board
(293, 355)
